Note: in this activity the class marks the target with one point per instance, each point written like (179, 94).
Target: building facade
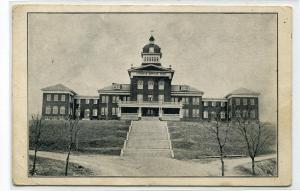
(149, 94)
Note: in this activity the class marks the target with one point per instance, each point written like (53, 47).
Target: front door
(150, 111)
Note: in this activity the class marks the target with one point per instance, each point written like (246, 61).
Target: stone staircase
(148, 138)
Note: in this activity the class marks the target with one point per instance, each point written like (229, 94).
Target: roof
(152, 67)
(180, 89)
(111, 88)
(86, 97)
(242, 91)
(58, 87)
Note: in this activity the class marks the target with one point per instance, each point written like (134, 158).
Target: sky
(215, 53)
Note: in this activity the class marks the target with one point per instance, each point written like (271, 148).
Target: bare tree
(254, 135)
(37, 124)
(220, 130)
(73, 125)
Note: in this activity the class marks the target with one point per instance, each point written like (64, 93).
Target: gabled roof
(59, 87)
(151, 67)
(242, 91)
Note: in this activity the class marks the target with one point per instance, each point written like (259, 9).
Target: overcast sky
(215, 53)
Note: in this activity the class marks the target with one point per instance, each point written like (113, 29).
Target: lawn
(105, 137)
(51, 167)
(262, 168)
(192, 140)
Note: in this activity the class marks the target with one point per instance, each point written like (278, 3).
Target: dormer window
(116, 86)
(151, 50)
(184, 88)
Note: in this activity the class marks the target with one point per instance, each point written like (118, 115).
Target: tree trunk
(34, 161)
(222, 163)
(67, 163)
(253, 166)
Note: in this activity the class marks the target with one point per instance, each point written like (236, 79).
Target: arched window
(222, 115)
(62, 110)
(245, 114)
(140, 84)
(205, 114)
(150, 84)
(252, 114)
(48, 110)
(161, 85)
(55, 110)
(238, 113)
(151, 50)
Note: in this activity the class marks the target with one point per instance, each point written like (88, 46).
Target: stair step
(145, 144)
(148, 152)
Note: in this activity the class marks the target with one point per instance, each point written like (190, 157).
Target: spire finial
(151, 39)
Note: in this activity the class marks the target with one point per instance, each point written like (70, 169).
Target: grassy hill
(192, 140)
(105, 137)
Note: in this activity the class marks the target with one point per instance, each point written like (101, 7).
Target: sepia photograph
(152, 94)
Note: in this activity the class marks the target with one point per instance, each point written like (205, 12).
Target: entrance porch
(163, 110)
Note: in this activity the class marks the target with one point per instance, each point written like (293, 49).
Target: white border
(6, 87)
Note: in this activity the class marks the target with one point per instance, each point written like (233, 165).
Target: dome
(151, 47)
(156, 48)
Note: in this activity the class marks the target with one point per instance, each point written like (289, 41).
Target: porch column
(180, 113)
(140, 112)
(119, 111)
(160, 112)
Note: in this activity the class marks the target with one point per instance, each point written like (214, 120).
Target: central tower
(151, 53)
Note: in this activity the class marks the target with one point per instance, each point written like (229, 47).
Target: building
(150, 93)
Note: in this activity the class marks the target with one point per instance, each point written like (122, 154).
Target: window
(205, 114)
(104, 99)
(253, 114)
(213, 115)
(48, 97)
(222, 115)
(114, 111)
(245, 101)
(104, 111)
(238, 113)
(252, 102)
(213, 103)
(195, 112)
(161, 85)
(48, 110)
(237, 101)
(95, 101)
(223, 104)
(87, 101)
(150, 85)
(55, 110)
(185, 112)
(150, 97)
(78, 101)
(63, 98)
(196, 101)
(151, 50)
(62, 110)
(205, 103)
(185, 100)
(86, 113)
(140, 97)
(140, 84)
(230, 102)
(245, 114)
(55, 97)
(161, 98)
(114, 99)
(95, 112)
